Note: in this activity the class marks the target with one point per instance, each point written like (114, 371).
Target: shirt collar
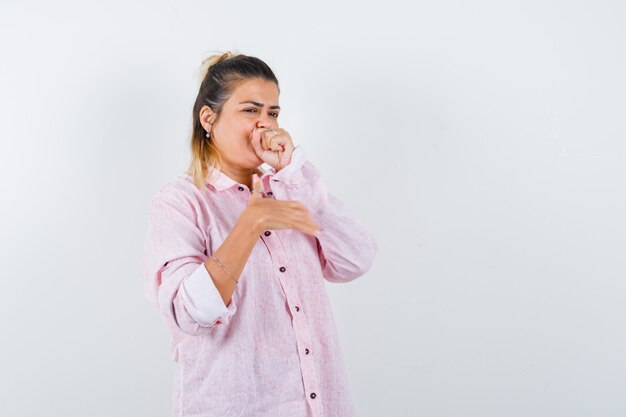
(220, 181)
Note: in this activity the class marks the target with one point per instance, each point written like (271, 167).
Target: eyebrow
(259, 104)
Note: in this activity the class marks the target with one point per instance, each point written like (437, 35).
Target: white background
(482, 143)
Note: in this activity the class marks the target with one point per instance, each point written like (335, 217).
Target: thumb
(256, 185)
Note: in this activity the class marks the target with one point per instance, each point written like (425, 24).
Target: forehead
(256, 89)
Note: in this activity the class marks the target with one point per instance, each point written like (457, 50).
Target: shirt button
(306, 351)
(240, 188)
(267, 233)
(313, 395)
(297, 308)
(283, 269)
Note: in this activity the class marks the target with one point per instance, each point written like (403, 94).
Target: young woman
(236, 259)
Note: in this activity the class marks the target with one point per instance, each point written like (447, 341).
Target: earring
(208, 134)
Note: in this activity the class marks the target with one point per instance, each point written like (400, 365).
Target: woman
(236, 259)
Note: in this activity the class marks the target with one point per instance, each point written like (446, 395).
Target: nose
(265, 121)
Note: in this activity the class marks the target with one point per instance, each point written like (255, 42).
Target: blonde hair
(219, 76)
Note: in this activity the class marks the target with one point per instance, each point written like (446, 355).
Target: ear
(207, 117)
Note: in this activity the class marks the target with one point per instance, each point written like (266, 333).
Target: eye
(248, 110)
(275, 115)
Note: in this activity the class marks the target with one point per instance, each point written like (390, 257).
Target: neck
(241, 175)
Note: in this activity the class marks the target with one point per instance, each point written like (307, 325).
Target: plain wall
(482, 143)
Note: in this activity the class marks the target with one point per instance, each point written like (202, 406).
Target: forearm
(347, 249)
(233, 254)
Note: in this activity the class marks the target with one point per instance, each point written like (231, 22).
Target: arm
(233, 254)
(192, 291)
(346, 248)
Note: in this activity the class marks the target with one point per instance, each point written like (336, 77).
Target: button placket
(299, 322)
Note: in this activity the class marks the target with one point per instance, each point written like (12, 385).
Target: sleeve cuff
(202, 299)
(300, 181)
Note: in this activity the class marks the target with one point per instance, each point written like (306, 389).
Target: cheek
(236, 132)
(242, 127)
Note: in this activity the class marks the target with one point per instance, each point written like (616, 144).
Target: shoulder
(180, 194)
(180, 188)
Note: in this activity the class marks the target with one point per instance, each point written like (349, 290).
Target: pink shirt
(274, 350)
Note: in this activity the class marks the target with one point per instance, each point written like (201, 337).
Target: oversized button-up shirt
(274, 349)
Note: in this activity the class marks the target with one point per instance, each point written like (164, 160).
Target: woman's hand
(273, 146)
(268, 213)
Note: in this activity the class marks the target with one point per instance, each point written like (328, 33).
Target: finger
(256, 185)
(277, 143)
(300, 218)
(255, 141)
(292, 219)
(261, 141)
(269, 136)
(309, 227)
(265, 136)
(259, 171)
(260, 136)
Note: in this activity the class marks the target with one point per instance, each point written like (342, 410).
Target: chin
(250, 164)
(257, 161)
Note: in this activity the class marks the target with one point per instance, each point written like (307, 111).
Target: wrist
(249, 224)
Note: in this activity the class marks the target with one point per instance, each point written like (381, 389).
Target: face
(251, 105)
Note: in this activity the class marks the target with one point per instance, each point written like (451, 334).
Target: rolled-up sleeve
(346, 248)
(199, 296)
(175, 277)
